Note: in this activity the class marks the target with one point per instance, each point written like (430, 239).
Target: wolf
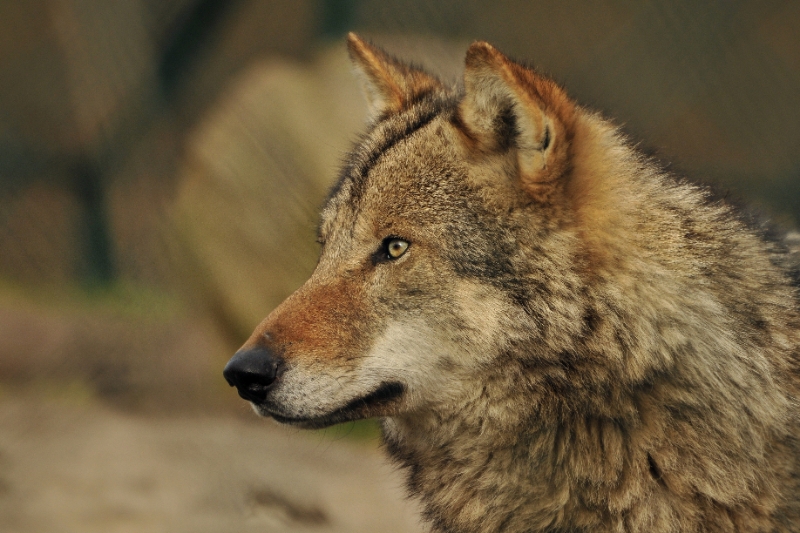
(555, 333)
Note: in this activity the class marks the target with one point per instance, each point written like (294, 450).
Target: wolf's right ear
(507, 105)
(389, 84)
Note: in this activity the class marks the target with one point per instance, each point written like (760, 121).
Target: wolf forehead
(505, 121)
(396, 141)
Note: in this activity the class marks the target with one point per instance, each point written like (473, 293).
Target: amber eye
(396, 247)
(391, 248)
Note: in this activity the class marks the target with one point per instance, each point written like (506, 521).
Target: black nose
(252, 371)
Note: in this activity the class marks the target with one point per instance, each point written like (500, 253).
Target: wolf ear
(390, 85)
(506, 105)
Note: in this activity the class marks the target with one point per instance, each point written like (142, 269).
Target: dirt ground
(72, 465)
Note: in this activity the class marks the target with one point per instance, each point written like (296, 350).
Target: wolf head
(457, 233)
(433, 257)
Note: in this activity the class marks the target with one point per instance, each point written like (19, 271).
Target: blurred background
(161, 166)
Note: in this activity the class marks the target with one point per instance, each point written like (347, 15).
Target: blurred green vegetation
(120, 298)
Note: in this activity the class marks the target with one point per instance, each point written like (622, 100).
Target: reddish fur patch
(541, 97)
(317, 322)
(570, 184)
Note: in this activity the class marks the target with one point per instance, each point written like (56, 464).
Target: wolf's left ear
(507, 105)
(389, 84)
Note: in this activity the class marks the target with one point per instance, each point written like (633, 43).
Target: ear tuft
(390, 85)
(507, 105)
(482, 54)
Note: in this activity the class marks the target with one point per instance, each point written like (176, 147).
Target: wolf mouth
(359, 408)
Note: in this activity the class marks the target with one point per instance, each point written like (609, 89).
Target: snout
(253, 371)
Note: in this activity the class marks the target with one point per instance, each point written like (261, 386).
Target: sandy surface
(77, 466)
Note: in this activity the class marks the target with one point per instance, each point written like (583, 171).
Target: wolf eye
(396, 247)
(391, 248)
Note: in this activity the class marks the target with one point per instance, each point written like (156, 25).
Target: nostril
(253, 388)
(252, 372)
